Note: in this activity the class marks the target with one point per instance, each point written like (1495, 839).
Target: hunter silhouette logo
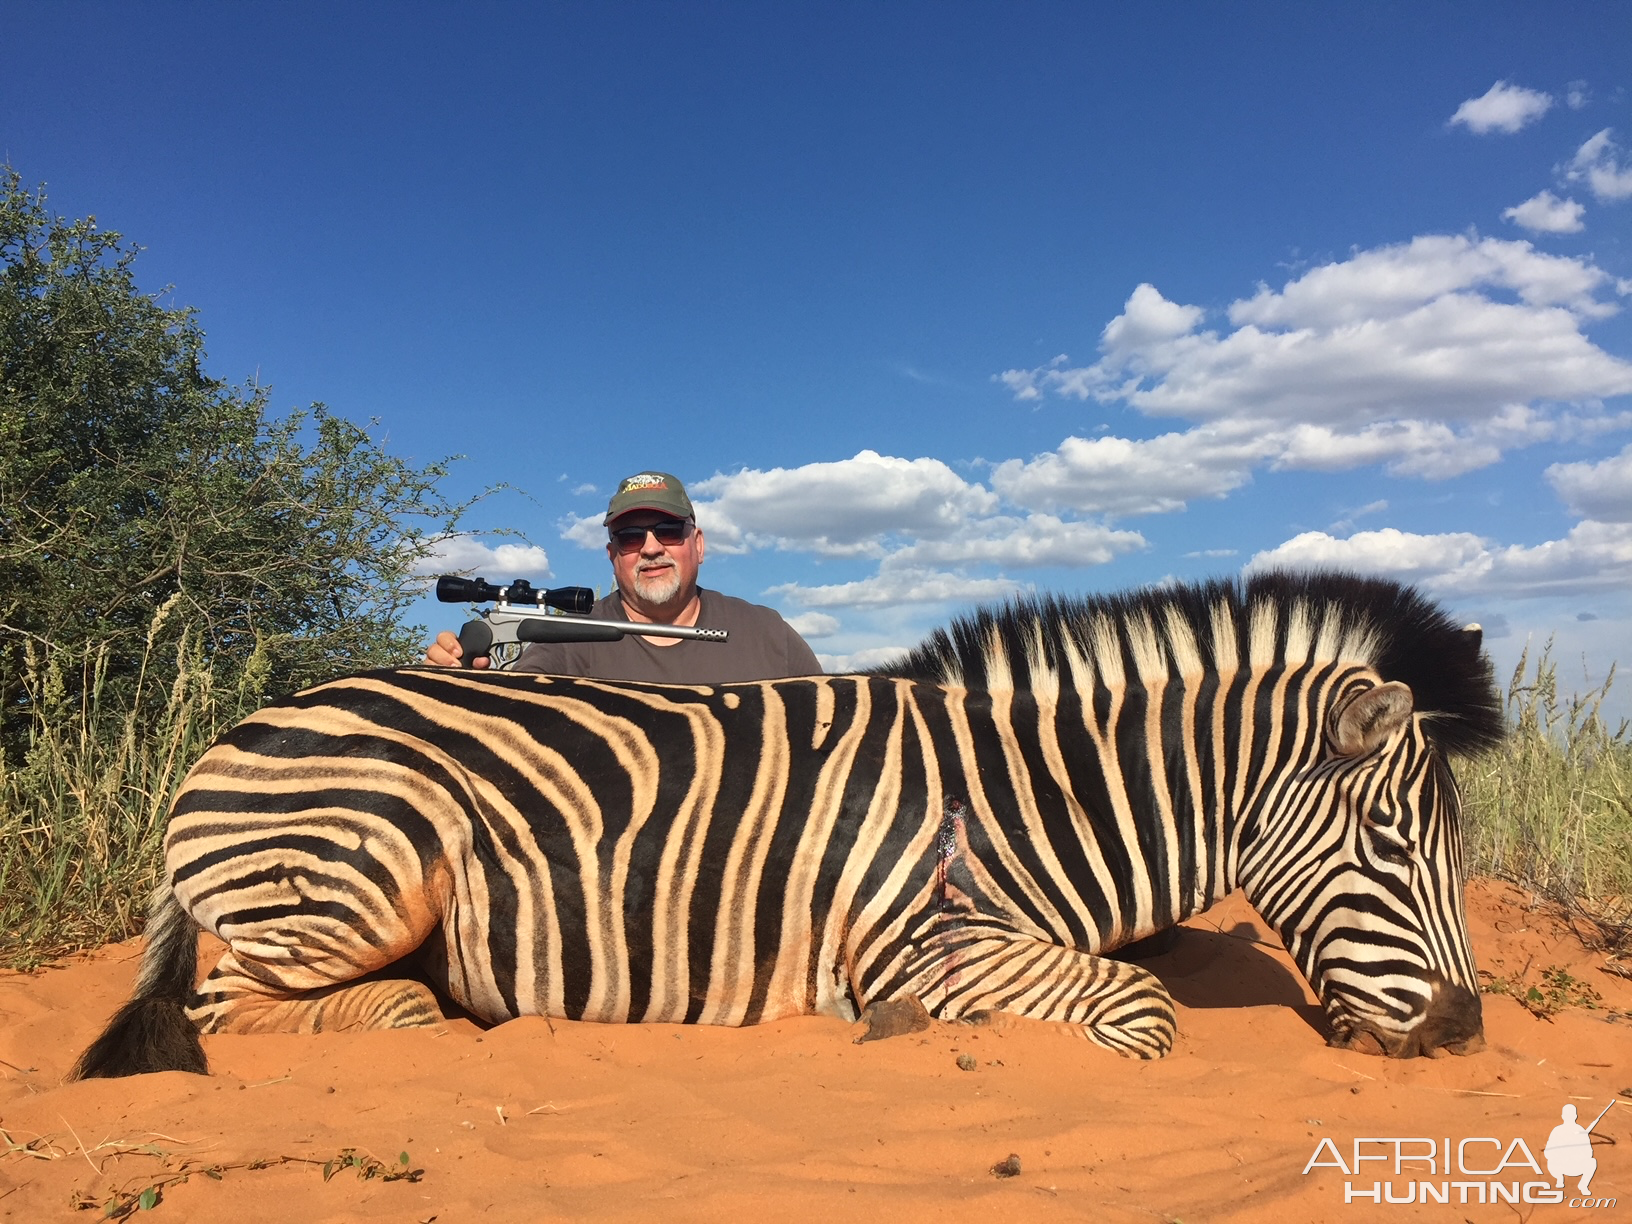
(1477, 1169)
(1569, 1149)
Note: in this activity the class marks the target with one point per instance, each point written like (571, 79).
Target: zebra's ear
(1473, 636)
(1362, 722)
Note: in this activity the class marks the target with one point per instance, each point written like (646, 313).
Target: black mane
(1398, 631)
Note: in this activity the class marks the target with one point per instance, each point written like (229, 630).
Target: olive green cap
(650, 491)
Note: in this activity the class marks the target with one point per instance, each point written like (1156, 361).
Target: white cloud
(898, 586)
(1394, 281)
(1432, 357)
(1121, 476)
(586, 532)
(847, 508)
(1594, 557)
(1600, 163)
(1502, 108)
(1431, 450)
(1147, 319)
(1034, 541)
(1575, 96)
(1600, 490)
(1388, 551)
(1547, 214)
(814, 624)
(465, 554)
(859, 660)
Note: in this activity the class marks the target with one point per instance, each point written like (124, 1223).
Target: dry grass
(81, 820)
(1551, 810)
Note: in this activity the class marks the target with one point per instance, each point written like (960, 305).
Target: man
(656, 548)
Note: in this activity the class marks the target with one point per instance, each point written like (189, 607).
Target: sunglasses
(668, 532)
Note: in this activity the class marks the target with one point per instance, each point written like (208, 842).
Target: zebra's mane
(1049, 644)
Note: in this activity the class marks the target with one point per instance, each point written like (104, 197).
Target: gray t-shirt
(761, 646)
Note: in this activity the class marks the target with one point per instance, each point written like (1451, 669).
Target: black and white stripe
(1035, 786)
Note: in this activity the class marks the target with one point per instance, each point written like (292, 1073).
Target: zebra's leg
(1116, 1005)
(244, 997)
(310, 968)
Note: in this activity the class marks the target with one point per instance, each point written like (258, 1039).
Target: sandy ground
(535, 1121)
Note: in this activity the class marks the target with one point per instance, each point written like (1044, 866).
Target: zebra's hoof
(893, 1018)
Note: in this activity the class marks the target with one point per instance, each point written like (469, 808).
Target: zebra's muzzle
(1452, 1024)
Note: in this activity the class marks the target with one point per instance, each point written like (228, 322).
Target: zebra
(973, 828)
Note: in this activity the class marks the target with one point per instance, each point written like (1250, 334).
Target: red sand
(533, 1121)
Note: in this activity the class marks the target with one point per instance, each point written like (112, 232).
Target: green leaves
(368, 1167)
(129, 477)
(172, 555)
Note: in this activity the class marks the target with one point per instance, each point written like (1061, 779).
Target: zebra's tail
(152, 1031)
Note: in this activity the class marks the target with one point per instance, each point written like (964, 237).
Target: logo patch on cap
(646, 480)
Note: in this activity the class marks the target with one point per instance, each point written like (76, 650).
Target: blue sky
(928, 302)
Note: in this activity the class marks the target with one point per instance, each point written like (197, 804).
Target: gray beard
(657, 586)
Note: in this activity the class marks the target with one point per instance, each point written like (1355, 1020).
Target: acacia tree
(130, 481)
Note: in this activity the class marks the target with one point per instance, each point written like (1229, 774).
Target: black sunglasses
(633, 539)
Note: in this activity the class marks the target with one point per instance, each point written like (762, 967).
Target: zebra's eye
(1390, 851)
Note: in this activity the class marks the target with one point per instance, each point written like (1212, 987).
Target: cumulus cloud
(1393, 281)
(1122, 476)
(898, 586)
(1547, 214)
(1031, 542)
(1594, 556)
(859, 660)
(1596, 490)
(1601, 164)
(1431, 357)
(1431, 450)
(923, 523)
(814, 624)
(1502, 108)
(586, 532)
(1148, 319)
(1401, 554)
(1575, 96)
(852, 507)
(463, 554)
(1411, 330)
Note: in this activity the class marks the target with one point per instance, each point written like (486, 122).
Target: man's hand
(446, 652)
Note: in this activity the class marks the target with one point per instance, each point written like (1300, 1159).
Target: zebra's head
(1358, 865)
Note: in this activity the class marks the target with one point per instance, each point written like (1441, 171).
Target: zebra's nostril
(1453, 1024)
(1361, 1041)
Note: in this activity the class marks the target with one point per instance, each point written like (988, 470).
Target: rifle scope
(450, 589)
